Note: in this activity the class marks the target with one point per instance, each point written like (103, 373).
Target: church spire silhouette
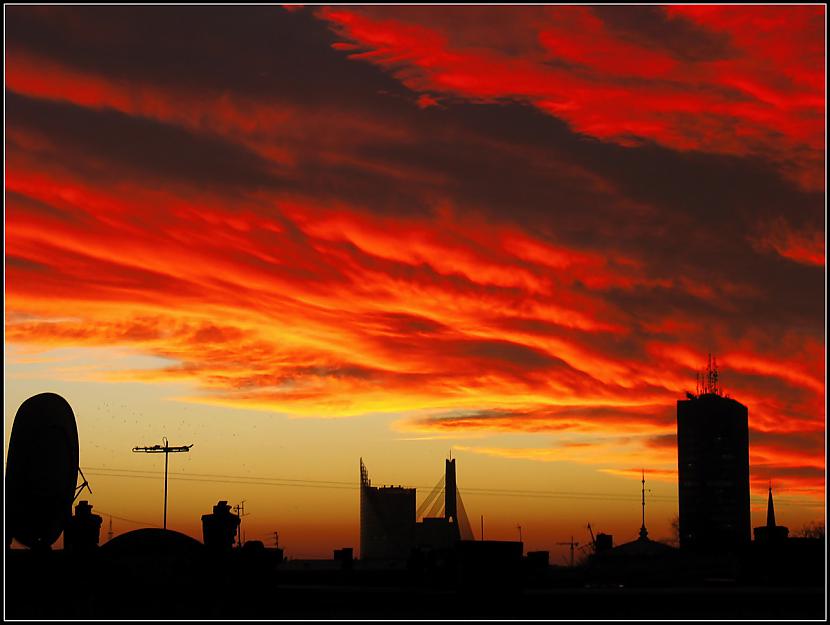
(771, 532)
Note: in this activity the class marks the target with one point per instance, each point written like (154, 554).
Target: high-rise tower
(387, 520)
(713, 468)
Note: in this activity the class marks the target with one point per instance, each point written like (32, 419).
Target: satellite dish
(41, 471)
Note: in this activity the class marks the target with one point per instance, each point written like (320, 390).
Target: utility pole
(572, 544)
(276, 539)
(519, 527)
(166, 450)
(240, 512)
(109, 533)
(482, 527)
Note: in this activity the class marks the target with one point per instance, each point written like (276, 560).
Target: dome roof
(152, 542)
(642, 547)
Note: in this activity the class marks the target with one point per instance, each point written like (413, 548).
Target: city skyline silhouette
(406, 555)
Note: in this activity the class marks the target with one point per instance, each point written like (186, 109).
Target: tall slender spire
(770, 510)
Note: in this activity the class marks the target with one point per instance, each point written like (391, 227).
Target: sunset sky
(299, 236)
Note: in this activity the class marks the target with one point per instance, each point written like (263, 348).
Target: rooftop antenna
(643, 530)
(519, 527)
(710, 378)
(166, 450)
(109, 533)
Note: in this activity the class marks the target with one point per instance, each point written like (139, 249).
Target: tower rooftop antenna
(708, 379)
(643, 530)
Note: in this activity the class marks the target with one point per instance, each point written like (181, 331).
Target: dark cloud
(807, 443)
(78, 275)
(547, 418)
(24, 264)
(511, 354)
(406, 324)
(140, 145)
(18, 202)
(653, 27)
(662, 441)
(261, 51)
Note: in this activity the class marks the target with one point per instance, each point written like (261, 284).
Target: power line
(121, 518)
(218, 481)
(195, 477)
(223, 475)
(330, 484)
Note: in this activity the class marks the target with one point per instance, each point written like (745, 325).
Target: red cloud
(760, 94)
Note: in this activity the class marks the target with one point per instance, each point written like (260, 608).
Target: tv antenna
(166, 450)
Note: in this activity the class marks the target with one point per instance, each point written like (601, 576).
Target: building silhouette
(713, 468)
(219, 528)
(387, 520)
(642, 561)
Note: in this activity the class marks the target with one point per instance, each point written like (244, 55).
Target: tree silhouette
(813, 529)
